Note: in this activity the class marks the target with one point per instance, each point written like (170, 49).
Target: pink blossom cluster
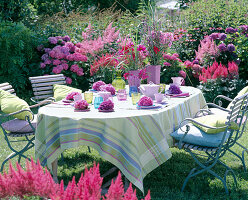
(196, 68)
(108, 88)
(207, 47)
(71, 95)
(81, 105)
(166, 38)
(145, 101)
(63, 57)
(34, 181)
(219, 71)
(169, 58)
(142, 74)
(106, 105)
(96, 86)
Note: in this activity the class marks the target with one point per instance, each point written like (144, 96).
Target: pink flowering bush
(96, 86)
(71, 95)
(108, 88)
(35, 181)
(219, 79)
(145, 101)
(172, 67)
(106, 105)
(81, 105)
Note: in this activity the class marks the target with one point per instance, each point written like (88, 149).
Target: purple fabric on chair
(19, 126)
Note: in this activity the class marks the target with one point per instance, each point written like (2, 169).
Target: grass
(165, 181)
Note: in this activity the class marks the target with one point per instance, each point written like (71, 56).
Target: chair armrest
(203, 111)
(33, 99)
(222, 97)
(17, 112)
(41, 103)
(217, 106)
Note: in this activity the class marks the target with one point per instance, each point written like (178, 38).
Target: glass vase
(118, 82)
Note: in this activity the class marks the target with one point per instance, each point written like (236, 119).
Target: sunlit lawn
(164, 182)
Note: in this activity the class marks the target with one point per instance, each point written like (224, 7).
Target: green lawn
(166, 181)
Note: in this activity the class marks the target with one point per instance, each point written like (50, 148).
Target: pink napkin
(179, 95)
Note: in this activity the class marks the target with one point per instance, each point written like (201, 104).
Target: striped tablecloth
(135, 141)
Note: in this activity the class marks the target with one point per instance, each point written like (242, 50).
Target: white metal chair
(228, 138)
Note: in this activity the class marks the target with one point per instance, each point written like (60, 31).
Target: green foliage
(221, 86)
(18, 58)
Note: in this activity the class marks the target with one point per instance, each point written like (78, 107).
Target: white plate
(149, 107)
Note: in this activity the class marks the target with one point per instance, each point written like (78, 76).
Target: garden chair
(43, 86)
(191, 138)
(216, 108)
(17, 128)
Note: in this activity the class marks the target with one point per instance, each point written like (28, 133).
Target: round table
(135, 141)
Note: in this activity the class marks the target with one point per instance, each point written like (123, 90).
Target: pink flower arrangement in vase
(108, 88)
(81, 105)
(71, 95)
(145, 101)
(96, 86)
(106, 106)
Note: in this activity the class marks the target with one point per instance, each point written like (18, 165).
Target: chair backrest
(7, 87)
(238, 115)
(43, 85)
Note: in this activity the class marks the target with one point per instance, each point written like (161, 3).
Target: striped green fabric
(136, 141)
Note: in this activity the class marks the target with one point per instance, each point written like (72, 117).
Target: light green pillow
(214, 121)
(11, 103)
(61, 91)
(242, 92)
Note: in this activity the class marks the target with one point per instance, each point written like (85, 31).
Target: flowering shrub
(108, 88)
(174, 89)
(172, 67)
(81, 105)
(145, 101)
(71, 95)
(106, 105)
(219, 79)
(34, 181)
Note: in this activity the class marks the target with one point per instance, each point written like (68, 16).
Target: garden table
(135, 141)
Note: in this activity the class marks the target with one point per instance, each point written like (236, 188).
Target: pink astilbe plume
(207, 47)
(233, 69)
(130, 194)
(116, 190)
(32, 182)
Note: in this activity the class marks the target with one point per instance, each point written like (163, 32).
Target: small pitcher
(177, 80)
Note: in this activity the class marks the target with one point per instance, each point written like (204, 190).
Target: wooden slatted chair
(43, 86)
(13, 128)
(189, 136)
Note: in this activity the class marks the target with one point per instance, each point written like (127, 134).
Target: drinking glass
(97, 101)
(135, 97)
(88, 96)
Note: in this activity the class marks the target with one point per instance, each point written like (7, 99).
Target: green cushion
(214, 121)
(242, 92)
(11, 103)
(61, 91)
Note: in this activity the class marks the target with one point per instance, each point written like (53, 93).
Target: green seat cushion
(215, 120)
(11, 103)
(242, 92)
(61, 91)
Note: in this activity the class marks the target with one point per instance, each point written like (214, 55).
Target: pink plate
(106, 110)
(67, 101)
(85, 110)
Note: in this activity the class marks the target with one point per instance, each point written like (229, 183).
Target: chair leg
(241, 158)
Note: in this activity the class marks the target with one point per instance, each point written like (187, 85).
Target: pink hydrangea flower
(71, 95)
(53, 40)
(81, 105)
(167, 64)
(65, 66)
(56, 62)
(68, 80)
(145, 101)
(48, 62)
(106, 105)
(108, 88)
(58, 69)
(96, 85)
(80, 72)
(74, 68)
(182, 73)
(42, 65)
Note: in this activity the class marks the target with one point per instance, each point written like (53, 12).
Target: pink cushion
(19, 126)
